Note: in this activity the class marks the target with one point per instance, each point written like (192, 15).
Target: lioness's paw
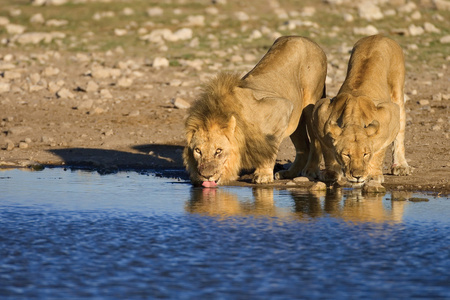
(262, 178)
(283, 174)
(329, 176)
(311, 173)
(400, 170)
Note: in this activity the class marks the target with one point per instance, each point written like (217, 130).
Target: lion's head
(212, 155)
(353, 145)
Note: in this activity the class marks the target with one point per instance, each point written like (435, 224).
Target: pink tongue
(209, 184)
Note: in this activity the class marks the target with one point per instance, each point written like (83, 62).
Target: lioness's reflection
(349, 205)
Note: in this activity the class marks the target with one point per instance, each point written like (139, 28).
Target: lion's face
(354, 150)
(209, 154)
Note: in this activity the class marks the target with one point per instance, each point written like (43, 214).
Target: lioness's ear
(372, 128)
(333, 130)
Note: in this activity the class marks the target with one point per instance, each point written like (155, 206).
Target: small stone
(23, 145)
(28, 140)
(54, 87)
(424, 102)
(18, 130)
(56, 23)
(437, 97)
(9, 145)
(65, 94)
(430, 28)
(37, 19)
(125, 82)
(106, 94)
(120, 32)
(50, 71)
(160, 62)
(155, 11)
(86, 104)
(15, 29)
(108, 132)
(436, 128)
(198, 20)
(368, 30)
(415, 30)
(11, 75)
(183, 34)
(5, 87)
(134, 113)
(301, 179)
(318, 186)
(242, 16)
(369, 11)
(4, 21)
(92, 86)
(445, 39)
(181, 103)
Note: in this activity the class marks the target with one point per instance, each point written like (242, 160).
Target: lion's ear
(333, 130)
(231, 125)
(372, 128)
(189, 136)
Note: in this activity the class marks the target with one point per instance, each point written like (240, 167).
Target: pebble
(430, 28)
(415, 30)
(155, 11)
(424, 102)
(368, 30)
(134, 113)
(445, 39)
(15, 29)
(23, 145)
(181, 103)
(37, 19)
(369, 11)
(437, 97)
(318, 186)
(56, 23)
(5, 87)
(18, 130)
(242, 16)
(160, 62)
(86, 104)
(50, 71)
(436, 128)
(11, 75)
(9, 145)
(92, 86)
(125, 82)
(104, 72)
(105, 94)
(4, 21)
(65, 94)
(301, 179)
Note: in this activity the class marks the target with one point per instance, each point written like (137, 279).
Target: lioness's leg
(301, 143)
(376, 167)
(399, 164)
(312, 165)
(333, 171)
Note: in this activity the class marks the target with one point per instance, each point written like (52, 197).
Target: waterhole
(81, 235)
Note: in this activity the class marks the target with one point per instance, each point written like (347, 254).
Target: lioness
(239, 123)
(366, 116)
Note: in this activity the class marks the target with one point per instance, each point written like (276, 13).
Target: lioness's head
(353, 147)
(211, 155)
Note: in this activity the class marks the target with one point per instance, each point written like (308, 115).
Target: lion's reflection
(352, 206)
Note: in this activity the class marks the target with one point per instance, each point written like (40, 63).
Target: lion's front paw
(311, 173)
(329, 176)
(376, 179)
(262, 178)
(401, 170)
(374, 187)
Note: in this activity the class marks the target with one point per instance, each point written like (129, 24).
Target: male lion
(239, 123)
(366, 116)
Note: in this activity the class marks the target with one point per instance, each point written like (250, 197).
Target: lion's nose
(207, 171)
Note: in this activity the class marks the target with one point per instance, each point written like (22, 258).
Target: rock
(442, 5)
(155, 11)
(120, 32)
(160, 62)
(242, 16)
(415, 30)
(37, 19)
(104, 72)
(15, 29)
(318, 186)
(125, 82)
(18, 130)
(4, 21)
(92, 87)
(424, 102)
(368, 30)
(65, 94)
(301, 179)
(436, 128)
(369, 11)
(196, 21)
(9, 145)
(127, 11)
(212, 10)
(5, 87)
(183, 34)
(430, 28)
(11, 75)
(134, 113)
(56, 23)
(181, 103)
(256, 34)
(445, 39)
(86, 104)
(37, 37)
(50, 71)
(437, 97)
(348, 17)
(23, 145)
(54, 87)
(416, 15)
(105, 94)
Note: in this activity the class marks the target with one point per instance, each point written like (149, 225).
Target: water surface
(76, 234)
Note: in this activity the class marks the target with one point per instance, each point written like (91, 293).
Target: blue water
(81, 235)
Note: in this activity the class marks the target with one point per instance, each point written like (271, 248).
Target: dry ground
(94, 96)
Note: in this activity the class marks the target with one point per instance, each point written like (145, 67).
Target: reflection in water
(348, 205)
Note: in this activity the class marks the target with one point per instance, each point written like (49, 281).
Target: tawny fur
(239, 123)
(366, 116)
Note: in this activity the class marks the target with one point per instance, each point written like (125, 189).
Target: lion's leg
(333, 171)
(301, 143)
(312, 169)
(264, 172)
(399, 165)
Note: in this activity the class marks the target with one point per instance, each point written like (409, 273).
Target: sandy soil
(139, 127)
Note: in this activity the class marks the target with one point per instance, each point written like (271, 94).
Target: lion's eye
(346, 156)
(197, 150)
(366, 155)
(218, 151)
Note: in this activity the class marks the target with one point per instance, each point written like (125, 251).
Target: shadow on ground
(159, 158)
